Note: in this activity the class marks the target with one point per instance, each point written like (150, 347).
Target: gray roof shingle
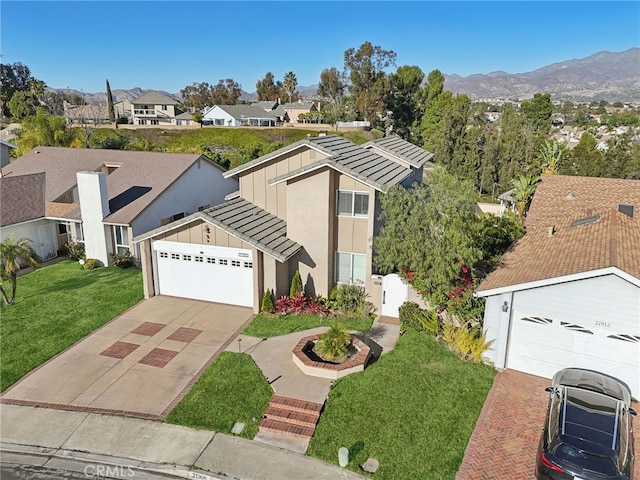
(154, 98)
(21, 198)
(396, 146)
(245, 221)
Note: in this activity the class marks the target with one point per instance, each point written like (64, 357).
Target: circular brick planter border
(329, 370)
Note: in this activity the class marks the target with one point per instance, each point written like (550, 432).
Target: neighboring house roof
(21, 198)
(185, 116)
(266, 104)
(154, 98)
(245, 221)
(139, 179)
(564, 195)
(299, 106)
(347, 157)
(246, 111)
(507, 196)
(67, 211)
(397, 147)
(610, 239)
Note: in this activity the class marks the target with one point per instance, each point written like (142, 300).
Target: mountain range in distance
(611, 76)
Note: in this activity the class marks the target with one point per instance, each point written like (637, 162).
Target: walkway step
(289, 429)
(295, 404)
(292, 416)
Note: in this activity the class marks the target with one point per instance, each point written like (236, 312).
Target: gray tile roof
(396, 146)
(148, 172)
(345, 156)
(246, 111)
(266, 104)
(21, 198)
(154, 98)
(245, 221)
(185, 116)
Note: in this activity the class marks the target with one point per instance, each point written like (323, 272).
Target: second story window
(353, 204)
(164, 107)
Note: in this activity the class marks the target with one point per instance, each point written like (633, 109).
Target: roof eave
(555, 280)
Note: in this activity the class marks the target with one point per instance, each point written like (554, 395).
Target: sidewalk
(64, 439)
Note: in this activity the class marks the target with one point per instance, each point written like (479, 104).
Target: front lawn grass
(267, 326)
(55, 307)
(231, 390)
(414, 410)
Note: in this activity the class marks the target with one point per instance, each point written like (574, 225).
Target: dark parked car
(588, 432)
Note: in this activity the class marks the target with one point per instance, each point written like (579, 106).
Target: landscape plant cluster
(466, 340)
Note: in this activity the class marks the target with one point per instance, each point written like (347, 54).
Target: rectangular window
(121, 236)
(211, 260)
(222, 261)
(175, 256)
(186, 258)
(248, 265)
(79, 233)
(235, 263)
(198, 259)
(62, 228)
(351, 268)
(352, 204)
(155, 122)
(164, 255)
(164, 107)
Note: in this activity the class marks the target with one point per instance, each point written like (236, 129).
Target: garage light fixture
(505, 306)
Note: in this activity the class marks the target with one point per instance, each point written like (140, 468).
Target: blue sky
(167, 45)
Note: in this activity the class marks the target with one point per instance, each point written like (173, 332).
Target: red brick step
(295, 404)
(292, 416)
(276, 426)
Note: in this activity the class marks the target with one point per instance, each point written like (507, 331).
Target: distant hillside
(602, 76)
(612, 76)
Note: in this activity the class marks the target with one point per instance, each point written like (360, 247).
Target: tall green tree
(43, 129)
(584, 159)
(428, 230)
(112, 113)
(332, 88)
(15, 254)
(268, 88)
(401, 99)
(225, 92)
(290, 83)
(538, 111)
(23, 104)
(365, 69)
(196, 96)
(14, 77)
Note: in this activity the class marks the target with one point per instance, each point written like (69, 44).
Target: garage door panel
(202, 272)
(542, 346)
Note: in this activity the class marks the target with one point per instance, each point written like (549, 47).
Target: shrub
(465, 341)
(267, 302)
(348, 299)
(299, 304)
(415, 318)
(63, 250)
(76, 250)
(91, 264)
(123, 259)
(334, 343)
(296, 284)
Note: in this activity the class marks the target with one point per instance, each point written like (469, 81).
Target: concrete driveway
(139, 364)
(504, 442)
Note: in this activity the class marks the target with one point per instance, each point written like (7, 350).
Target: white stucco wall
(94, 206)
(217, 113)
(201, 184)
(29, 230)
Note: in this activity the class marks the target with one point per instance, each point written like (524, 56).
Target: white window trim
(119, 246)
(352, 281)
(353, 203)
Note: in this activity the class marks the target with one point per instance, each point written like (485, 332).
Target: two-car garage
(204, 272)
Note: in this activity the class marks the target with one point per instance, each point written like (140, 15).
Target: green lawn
(232, 389)
(266, 326)
(55, 307)
(414, 410)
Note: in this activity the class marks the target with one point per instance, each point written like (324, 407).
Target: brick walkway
(505, 440)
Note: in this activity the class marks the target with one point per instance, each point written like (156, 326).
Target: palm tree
(290, 83)
(523, 189)
(550, 154)
(13, 255)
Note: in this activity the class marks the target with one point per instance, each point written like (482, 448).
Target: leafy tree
(196, 96)
(401, 98)
(365, 70)
(538, 111)
(332, 85)
(428, 230)
(289, 84)
(268, 88)
(14, 77)
(516, 147)
(54, 102)
(585, 159)
(23, 104)
(112, 113)
(226, 92)
(296, 285)
(15, 254)
(523, 189)
(43, 129)
(550, 155)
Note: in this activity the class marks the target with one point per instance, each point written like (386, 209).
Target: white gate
(47, 243)
(395, 291)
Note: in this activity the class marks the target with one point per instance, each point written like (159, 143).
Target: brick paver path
(505, 441)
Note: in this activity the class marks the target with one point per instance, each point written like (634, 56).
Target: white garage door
(204, 272)
(542, 346)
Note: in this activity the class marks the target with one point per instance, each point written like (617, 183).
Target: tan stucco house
(311, 206)
(154, 108)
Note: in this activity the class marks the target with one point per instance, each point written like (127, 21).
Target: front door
(395, 291)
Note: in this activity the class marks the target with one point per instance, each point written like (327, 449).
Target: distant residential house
(122, 109)
(154, 108)
(86, 114)
(296, 108)
(266, 105)
(238, 116)
(103, 198)
(185, 118)
(5, 157)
